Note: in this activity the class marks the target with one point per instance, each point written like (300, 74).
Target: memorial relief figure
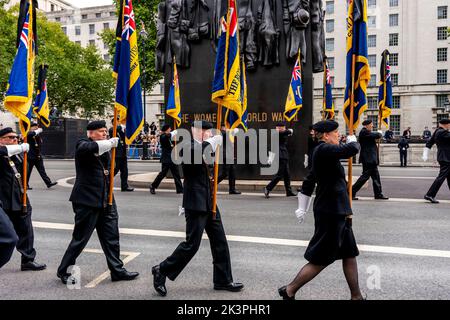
(177, 31)
(198, 17)
(161, 38)
(317, 17)
(268, 34)
(247, 38)
(295, 21)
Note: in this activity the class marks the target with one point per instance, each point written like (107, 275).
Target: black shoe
(381, 197)
(52, 184)
(355, 198)
(431, 199)
(29, 188)
(159, 281)
(235, 192)
(283, 293)
(67, 277)
(152, 190)
(32, 266)
(266, 193)
(178, 192)
(289, 193)
(127, 189)
(124, 275)
(233, 287)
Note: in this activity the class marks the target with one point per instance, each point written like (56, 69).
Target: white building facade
(415, 33)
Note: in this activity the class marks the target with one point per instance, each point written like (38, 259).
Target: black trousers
(283, 173)
(175, 173)
(309, 184)
(39, 164)
(444, 173)
(8, 238)
(107, 224)
(228, 170)
(145, 155)
(122, 166)
(196, 223)
(403, 158)
(369, 171)
(24, 230)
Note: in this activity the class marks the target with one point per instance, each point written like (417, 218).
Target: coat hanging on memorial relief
(268, 34)
(177, 32)
(317, 15)
(247, 36)
(161, 38)
(295, 22)
(198, 11)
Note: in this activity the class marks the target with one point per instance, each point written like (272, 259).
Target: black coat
(197, 192)
(283, 146)
(10, 190)
(441, 138)
(166, 147)
(312, 144)
(403, 145)
(91, 184)
(121, 150)
(35, 142)
(368, 141)
(331, 192)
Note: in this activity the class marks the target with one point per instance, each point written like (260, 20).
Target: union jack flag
(24, 34)
(129, 22)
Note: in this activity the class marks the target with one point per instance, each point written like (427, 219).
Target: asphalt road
(404, 244)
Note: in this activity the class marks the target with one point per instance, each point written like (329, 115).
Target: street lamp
(144, 36)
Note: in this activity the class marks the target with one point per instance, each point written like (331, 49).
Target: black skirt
(333, 239)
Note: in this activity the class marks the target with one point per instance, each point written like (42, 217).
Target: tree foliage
(78, 81)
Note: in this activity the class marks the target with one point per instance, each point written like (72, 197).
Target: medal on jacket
(106, 172)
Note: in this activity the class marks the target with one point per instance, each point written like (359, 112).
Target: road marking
(129, 256)
(259, 240)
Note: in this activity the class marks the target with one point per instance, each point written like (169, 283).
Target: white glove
(291, 131)
(215, 141)
(106, 145)
(17, 149)
(234, 132)
(425, 154)
(173, 133)
(38, 131)
(271, 157)
(304, 203)
(351, 139)
(380, 132)
(114, 142)
(305, 163)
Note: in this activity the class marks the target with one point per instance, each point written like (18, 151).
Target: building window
(78, 43)
(441, 54)
(106, 57)
(393, 3)
(394, 79)
(64, 29)
(442, 12)
(98, 15)
(106, 25)
(112, 14)
(372, 41)
(330, 7)
(372, 3)
(92, 42)
(330, 25)
(84, 16)
(442, 33)
(372, 103)
(332, 81)
(92, 29)
(330, 63)
(372, 21)
(441, 116)
(372, 60)
(393, 59)
(77, 30)
(329, 44)
(105, 45)
(394, 124)
(58, 19)
(373, 80)
(441, 100)
(396, 102)
(393, 20)
(393, 39)
(442, 76)
(52, 7)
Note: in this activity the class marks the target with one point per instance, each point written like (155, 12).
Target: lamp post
(144, 36)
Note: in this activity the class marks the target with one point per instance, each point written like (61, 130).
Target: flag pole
(113, 162)
(324, 98)
(216, 163)
(351, 131)
(25, 177)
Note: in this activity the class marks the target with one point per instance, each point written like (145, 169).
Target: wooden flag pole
(324, 99)
(216, 163)
(113, 162)
(175, 142)
(25, 177)
(351, 131)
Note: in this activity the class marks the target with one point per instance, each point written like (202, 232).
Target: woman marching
(333, 236)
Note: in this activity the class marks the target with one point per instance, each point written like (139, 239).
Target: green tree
(79, 83)
(144, 11)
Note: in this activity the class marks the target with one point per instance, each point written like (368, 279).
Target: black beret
(5, 131)
(280, 124)
(444, 121)
(366, 122)
(202, 124)
(33, 124)
(94, 125)
(325, 126)
(165, 127)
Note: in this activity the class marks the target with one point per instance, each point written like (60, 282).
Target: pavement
(404, 244)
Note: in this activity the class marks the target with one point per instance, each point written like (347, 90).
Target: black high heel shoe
(283, 293)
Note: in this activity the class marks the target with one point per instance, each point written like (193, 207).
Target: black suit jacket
(441, 138)
(121, 150)
(283, 149)
(403, 144)
(197, 193)
(331, 192)
(35, 142)
(91, 184)
(368, 141)
(166, 147)
(10, 190)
